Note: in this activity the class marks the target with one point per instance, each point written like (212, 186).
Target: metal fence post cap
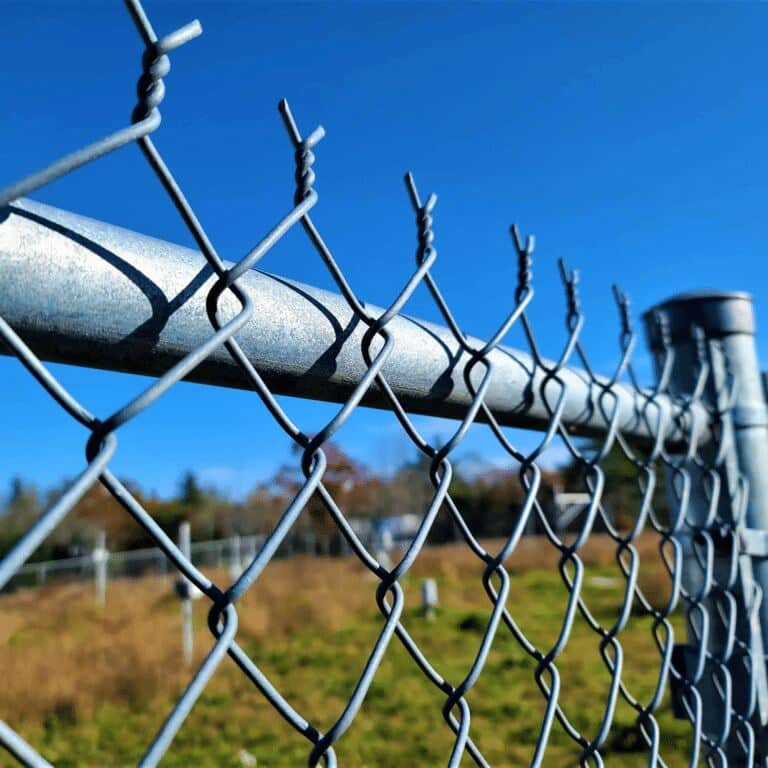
(717, 313)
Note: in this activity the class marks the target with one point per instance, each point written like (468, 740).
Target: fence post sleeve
(727, 322)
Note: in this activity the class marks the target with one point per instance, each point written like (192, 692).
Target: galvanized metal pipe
(728, 324)
(729, 318)
(123, 301)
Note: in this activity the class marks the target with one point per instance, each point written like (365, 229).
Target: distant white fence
(231, 552)
(382, 534)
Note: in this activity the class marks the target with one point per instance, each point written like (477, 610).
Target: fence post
(235, 557)
(100, 557)
(429, 598)
(184, 590)
(727, 323)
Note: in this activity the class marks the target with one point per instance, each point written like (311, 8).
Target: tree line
(489, 501)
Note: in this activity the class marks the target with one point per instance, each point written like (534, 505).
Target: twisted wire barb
(146, 115)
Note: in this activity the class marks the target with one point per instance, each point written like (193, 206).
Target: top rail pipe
(87, 293)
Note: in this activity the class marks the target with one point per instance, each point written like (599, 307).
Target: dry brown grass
(63, 655)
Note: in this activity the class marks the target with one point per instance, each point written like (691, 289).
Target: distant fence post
(429, 597)
(235, 557)
(100, 558)
(251, 549)
(183, 587)
(727, 323)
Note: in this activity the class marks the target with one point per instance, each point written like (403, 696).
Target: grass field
(88, 685)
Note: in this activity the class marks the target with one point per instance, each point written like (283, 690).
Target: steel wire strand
(499, 603)
(697, 611)
(425, 251)
(625, 548)
(729, 600)
(530, 475)
(721, 583)
(523, 297)
(146, 117)
(644, 465)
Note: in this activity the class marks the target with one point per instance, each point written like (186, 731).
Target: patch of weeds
(625, 738)
(473, 622)
(64, 714)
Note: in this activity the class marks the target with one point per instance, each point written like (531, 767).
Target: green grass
(400, 723)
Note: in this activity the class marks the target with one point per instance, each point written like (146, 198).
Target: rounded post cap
(717, 313)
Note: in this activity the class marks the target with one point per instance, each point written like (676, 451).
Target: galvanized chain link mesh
(705, 580)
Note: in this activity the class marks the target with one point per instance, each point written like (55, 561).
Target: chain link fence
(700, 432)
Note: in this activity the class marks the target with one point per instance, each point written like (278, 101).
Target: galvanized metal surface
(78, 291)
(724, 518)
(119, 300)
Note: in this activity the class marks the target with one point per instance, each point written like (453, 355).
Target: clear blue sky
(630, 138)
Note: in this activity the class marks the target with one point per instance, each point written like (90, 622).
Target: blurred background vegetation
(89, 683)
(489, 499)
